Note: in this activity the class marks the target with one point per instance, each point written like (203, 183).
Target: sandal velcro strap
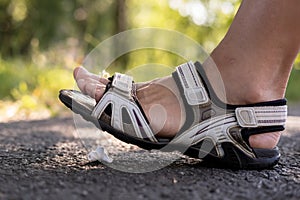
(194, 90)
(123, 83)
(261, 116)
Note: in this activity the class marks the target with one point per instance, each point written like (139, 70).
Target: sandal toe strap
(122, 84)
(123, 110)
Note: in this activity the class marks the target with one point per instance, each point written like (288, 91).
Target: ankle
(233, 84)
(249, 95)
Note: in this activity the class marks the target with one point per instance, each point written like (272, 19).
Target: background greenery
(42, 41)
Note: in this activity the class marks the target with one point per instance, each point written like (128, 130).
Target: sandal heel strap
(251, 117)
(194, 91)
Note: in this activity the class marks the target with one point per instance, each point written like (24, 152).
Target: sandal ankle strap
(252, 117)
(196, 92)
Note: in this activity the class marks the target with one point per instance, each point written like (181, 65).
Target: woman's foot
(161, 102)
(159, 97)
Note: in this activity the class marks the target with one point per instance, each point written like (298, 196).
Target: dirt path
(43, 160)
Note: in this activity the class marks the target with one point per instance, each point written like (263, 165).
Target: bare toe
(82, 73)
(89, 83)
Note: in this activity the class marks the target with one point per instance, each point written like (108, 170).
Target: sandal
(215, 132)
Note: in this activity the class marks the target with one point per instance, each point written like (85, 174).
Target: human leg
(256, 56)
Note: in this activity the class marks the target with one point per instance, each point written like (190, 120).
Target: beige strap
(123, 84)
(194, 90)
(119, 97)
(261, 116)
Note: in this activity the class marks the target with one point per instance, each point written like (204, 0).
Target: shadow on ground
(43, 160)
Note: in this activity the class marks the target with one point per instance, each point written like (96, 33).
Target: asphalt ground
(43, 159)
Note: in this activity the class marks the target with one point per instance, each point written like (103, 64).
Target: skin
(254, 59)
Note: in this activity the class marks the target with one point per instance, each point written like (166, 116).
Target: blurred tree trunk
(120, 26)
(121, 19)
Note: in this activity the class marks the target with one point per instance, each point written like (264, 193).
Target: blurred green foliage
(293, 88)
(24, 22)
(31, 88)
(41, 41)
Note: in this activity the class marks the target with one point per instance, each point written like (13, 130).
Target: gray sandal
(215, 132)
